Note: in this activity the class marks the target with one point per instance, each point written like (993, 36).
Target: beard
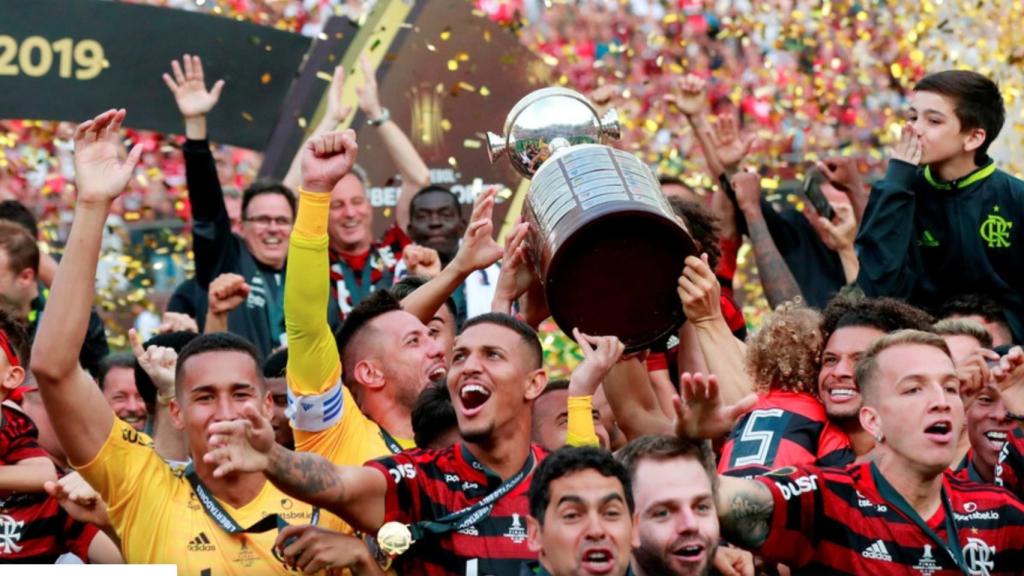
(652, 562)
(482, 436)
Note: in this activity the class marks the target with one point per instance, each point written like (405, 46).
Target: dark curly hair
(885, 314)
(783, 354)
(703, 226)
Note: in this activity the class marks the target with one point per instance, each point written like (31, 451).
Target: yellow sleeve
(349, 438)
(313, 364)
(128, 474)
(580, 427)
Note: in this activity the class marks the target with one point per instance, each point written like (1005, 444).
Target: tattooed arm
(779, 284)
(744, 511)
(354, 493)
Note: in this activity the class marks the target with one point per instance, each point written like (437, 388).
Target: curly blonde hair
(783, 354)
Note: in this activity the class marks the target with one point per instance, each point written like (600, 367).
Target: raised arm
(334, 115)
(600, 354)
(633, 400)
(744, 506)
(81, 417)
(354, 493)
(779, 284)
(412, 168)
(211, 227)
(478, 251)
(159, 363)
(313, 364)
(227, 292)
(723, 353)
(885, 242)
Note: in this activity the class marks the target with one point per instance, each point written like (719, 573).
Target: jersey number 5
(758, 440)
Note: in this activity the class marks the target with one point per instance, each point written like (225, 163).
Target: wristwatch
(385, 115)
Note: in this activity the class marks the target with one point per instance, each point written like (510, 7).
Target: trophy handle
(496, 146)
(610, 125)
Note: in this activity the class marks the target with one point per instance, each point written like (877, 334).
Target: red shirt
(383, 256)
(835, 521)
(1010, 466)
(429, 484)
(33, 527)
(785, 429)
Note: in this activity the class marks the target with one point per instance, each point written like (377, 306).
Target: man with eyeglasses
(259, 251)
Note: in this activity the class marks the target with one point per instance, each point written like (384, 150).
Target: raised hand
(336, 112)
(326, 159)
(909, 148)
(226, 293)
(79, 500)
(479, 250)
(189, 87)
(177, 322)
(312, 549)
(730, 147)
(700, 414)
(421, 260)
(1009, 377)
(600, 354)
(838, 233)
(730, 561)
(102, 169)
(842, 172)
(747, 186)
(691, 95)
(157, 361)
(369, 99)
(699, 291)
(240, 445)
(516, 276)
(974, 374)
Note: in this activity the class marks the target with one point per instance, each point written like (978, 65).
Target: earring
(879, 437)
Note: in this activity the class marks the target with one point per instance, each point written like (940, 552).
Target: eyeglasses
(266, 221)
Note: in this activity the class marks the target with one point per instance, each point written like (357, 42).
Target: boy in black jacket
(945, 221)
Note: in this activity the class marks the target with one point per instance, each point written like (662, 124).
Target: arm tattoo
(778, 281)
(305, 476)
(748, 515)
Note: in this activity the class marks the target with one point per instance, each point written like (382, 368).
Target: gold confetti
(446, 33)
(453, 65)
(324, 76)
(265, 78)
(471, 143)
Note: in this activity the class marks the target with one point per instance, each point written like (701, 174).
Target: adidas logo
(201, 543)
(877, 551)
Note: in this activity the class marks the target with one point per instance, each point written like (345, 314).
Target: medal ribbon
(472, 514)
(219, 515)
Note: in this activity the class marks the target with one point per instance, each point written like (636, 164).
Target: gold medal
(394, 538)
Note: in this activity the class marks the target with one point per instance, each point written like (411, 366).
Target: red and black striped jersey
(785, 429)
(430, 484)
(834, 521)
(1010, 466)
(33, 527)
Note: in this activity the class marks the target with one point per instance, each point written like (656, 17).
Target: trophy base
(617, 274)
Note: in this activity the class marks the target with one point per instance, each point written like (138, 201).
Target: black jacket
(927, 241)
(815, 267)
(217, 250)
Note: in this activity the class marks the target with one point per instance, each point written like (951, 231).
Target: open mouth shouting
(472, 397)
(940, 431)
(437, 372)
(692, 552)
(598, 560)
(996, 439)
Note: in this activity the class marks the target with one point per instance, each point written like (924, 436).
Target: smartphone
(812, 191)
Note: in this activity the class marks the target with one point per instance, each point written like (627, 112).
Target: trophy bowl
(605, 242)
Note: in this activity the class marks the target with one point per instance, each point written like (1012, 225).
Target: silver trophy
(607, 245)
